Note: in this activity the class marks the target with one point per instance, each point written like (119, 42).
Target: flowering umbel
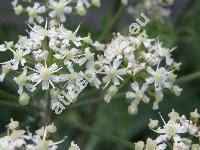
(56, 59)
(55, 9)
(176, 133)
(21, 139)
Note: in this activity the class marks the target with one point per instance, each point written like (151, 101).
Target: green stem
(25, 108)
(8, 96)
(114, 21)
(101, 134)
(189, 77)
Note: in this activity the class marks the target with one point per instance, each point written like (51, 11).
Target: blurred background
(97, 125)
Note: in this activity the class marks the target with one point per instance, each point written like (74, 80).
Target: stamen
(162, 118)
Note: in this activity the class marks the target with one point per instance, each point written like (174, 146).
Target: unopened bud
(24, 99)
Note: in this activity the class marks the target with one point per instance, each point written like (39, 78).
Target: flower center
(45, 74)
(170, 130)
(18, 55)
(59, 7)
(74, 77)
(112, 72)
(69, 55)
(158, 77)
(138, 95)
(32, 13)
(112, 90)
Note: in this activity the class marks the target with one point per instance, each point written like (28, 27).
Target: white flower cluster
(48, 56)
(56, 9)
(19, 139)
(56, 59)
(178, 133)
(157, 9)
(147, 63)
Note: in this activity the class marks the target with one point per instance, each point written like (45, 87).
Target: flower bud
(151, 144)
(81, 10)
(195, 114)
(177, 90)
(51, 128)
(13, 124)
(153, 124)
(73, 146)
(132, 109)
(139, 145)
(55, 92)
(24, 99)
(17, 133)
(96, 3)
(173, 115)
(18, 9)
(40, 131)
(112, 90)
(87, 39)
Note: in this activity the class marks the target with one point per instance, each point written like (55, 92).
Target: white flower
(34, 12)
(91, 77)
(73, 78)
(60, 8)
(169, 130)
(113, 73)
(7, 143)
(21, 80)
(133, 68)
(19, 55)
(40, 55)
(116, 47)
(164, 52)
(38, 33)
(159, 78)
(67, 36)
(45, 75)
(68, 55)
(139, 94)
(87, 56)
